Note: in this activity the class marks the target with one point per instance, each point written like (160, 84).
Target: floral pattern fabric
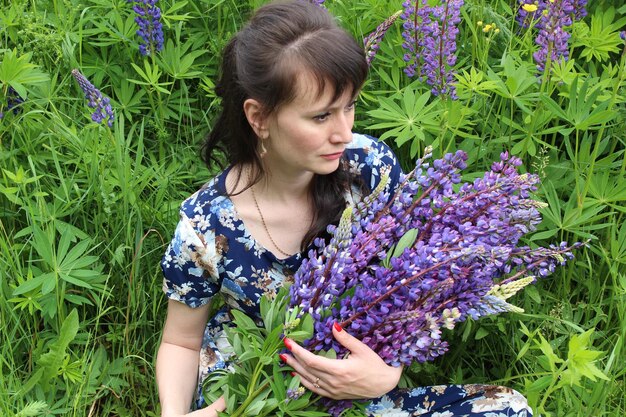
(212, 252)
(451, 400)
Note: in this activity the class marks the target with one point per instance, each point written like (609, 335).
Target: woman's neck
(274, 186)
(277, 211)
(283, 188)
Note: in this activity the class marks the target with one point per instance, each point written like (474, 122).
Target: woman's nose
(342, 132)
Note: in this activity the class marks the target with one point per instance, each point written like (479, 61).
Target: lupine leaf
(581, 359)
(52, 361)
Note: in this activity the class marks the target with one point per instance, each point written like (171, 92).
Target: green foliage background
(86, 211)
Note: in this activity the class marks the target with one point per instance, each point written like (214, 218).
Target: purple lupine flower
(530, 12)
(551, 18)
(622, 35)
(150, 27)
(372, 41)
(438, 70)
(100, 104)
(294, 394)
(463, 262)
(580, 9)
(416, 17)
(552, 37)
(430, 40)
(13, 103)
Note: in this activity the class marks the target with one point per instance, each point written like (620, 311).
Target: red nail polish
(288, 343)
(282, 357)
(293, 373)
(337, 327)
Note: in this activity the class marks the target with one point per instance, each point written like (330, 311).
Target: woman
(289, 82)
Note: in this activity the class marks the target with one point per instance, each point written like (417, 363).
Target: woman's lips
(332, 156)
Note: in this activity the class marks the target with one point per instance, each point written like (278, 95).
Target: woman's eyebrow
(334, 105)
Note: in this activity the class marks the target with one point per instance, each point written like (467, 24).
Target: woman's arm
(178, 358)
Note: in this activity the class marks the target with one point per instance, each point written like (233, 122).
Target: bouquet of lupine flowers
(403, 264)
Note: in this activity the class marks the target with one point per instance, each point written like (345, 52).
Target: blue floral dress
(213, 252)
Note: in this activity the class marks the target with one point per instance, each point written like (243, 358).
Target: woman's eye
(321, 117)
(351, 105)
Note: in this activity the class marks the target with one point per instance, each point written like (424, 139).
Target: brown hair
(262, 62)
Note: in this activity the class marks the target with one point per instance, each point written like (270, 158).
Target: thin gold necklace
(256, 203)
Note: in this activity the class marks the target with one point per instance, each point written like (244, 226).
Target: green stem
(251, 397)
(255, 377)
(252, 394)
(161, 118)
(520, 376)
(461, 118)
(552, 386)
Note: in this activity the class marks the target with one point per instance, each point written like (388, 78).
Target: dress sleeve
(190, 263)
(368, 157)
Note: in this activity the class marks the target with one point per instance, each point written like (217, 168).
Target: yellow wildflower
(530, 7)
(487, 28)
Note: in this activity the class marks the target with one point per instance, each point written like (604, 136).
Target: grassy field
(87, 209)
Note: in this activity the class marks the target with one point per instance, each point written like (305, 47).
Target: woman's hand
(363, 374)
(210, 411)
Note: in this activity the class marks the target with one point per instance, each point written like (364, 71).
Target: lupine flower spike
(416, 17)
(150, 27)
(441, 75)
(372, 41)
(100, 104)
(294, 394)
(551, 18)
(430, 41)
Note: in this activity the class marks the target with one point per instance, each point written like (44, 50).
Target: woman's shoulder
(362, 143)
(191, 262)
(207, 200)
(368, 157)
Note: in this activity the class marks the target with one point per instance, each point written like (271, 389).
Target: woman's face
(310, 133)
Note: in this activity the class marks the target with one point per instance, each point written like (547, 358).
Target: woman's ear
(254, 113)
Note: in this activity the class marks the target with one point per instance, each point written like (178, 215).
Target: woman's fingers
(354, 345)
(318, 386)
(306, 363)
(218, 405)
(317, 373)
(209, 411)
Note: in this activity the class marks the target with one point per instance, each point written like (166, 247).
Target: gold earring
(262, 151)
